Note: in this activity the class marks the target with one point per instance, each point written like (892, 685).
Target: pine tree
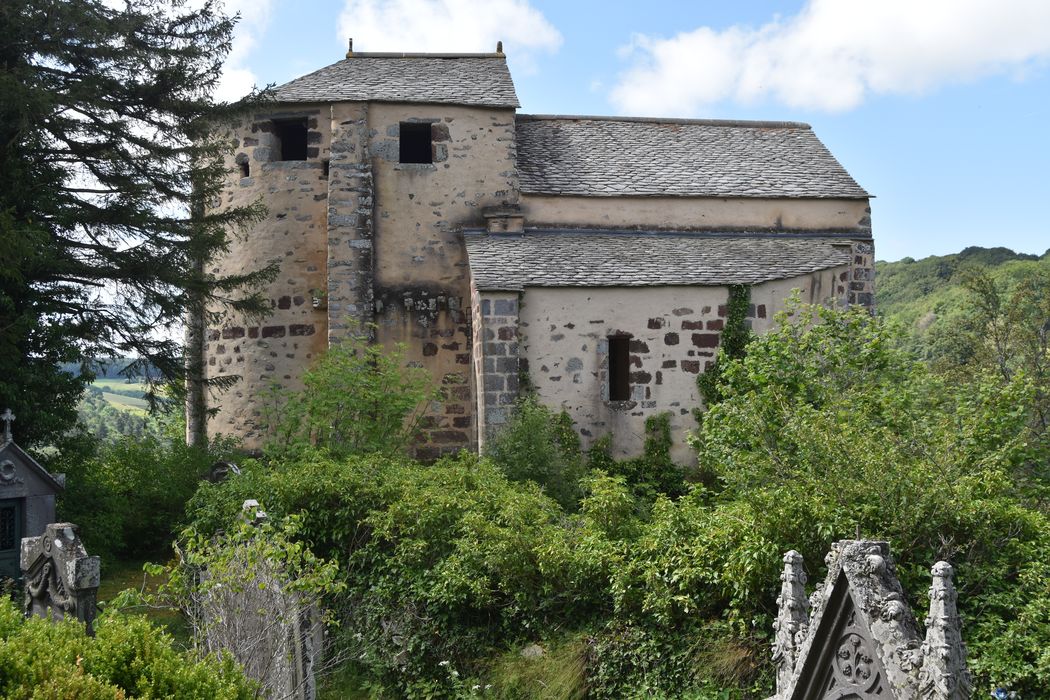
(108, 142)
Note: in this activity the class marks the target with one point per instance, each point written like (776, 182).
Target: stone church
(590, 256)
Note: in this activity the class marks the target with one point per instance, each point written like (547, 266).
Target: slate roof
(613, 157)
(638, 259)
(481, 80)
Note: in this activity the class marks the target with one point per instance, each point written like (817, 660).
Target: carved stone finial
(61, 580)
(499, 47)
(792, 623)
(944, 675)
(8, 418)
(350, 47)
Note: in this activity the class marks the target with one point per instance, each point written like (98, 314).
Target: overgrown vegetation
(619, 579)
(129, 495)
(127, 657)
(543, 447)
(359, 397)
(735, 337)
(542, 570)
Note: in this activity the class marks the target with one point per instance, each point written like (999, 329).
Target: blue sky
(940, 108)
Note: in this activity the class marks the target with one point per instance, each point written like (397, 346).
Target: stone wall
(674, 335)
(350, 224)
(276, 348)
(422, 285)
(361, 239)
(496, 357)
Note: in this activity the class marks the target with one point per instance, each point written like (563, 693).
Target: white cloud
(834, 54)
(448, 25)
(237, 79)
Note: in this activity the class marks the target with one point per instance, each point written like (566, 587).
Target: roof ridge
(666, 120)
(397, 54)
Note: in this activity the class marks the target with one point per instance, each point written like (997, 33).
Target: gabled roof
(585, 258)
(481, 80)
(9, 450)
(616, 157)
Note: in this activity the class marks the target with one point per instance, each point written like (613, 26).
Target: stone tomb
(27, 499)
(855, 637)
(61, 580)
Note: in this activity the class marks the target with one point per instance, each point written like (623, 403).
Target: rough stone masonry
(409, 203)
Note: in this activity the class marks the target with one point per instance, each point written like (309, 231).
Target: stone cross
(7, 417)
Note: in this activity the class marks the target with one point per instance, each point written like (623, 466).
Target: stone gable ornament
(61, 580)
(855, 637)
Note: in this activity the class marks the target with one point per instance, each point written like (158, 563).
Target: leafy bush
(826, 426)
(541, 446)
(443, 564)
(129, 497)
(244, 590)
(653, 473)
(127, 657)
(359, 398)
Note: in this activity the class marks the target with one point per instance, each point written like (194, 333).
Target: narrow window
(245, 171)
(415, 143)
(619, 368)
(291, 138)
(326, 169)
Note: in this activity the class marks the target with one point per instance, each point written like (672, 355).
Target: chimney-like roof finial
(499, 47)
(350, 48)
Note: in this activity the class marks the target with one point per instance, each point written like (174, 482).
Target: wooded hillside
(927, 296)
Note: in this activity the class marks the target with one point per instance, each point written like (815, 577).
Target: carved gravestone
(855, 638)
(60, 579)
(27, 498)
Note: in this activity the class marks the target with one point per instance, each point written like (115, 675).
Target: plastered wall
(675, 333)
(844, 215)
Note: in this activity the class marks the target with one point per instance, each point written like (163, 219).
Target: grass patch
(118, 385)
(555, 671)
(127, 403)
(120, 575)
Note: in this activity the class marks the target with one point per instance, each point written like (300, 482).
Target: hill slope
(926, 295)
(908, 290)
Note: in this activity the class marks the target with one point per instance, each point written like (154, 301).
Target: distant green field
(113, 389)
(139, 407)
(119, 385)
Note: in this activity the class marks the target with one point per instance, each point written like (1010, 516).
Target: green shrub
(129, 499)
(652, 474)
(541, 446)
(359, 397)
(127, 657)
(443, 563)
(259, 579)
(826, 426)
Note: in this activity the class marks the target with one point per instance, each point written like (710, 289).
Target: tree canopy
(107, 146)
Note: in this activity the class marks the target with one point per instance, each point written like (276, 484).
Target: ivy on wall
(735, 337)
